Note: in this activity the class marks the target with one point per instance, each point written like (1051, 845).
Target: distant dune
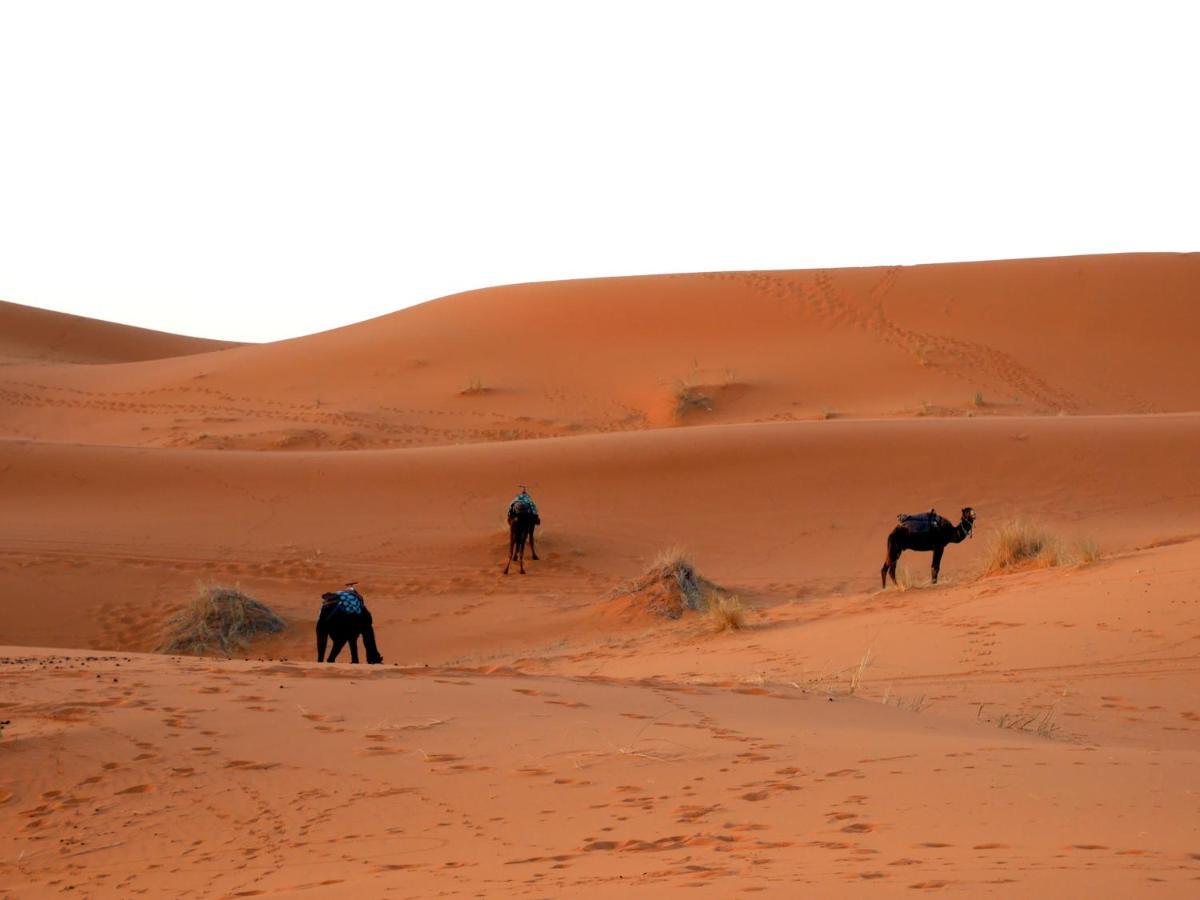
(31, 334)
(1074, 335)
(1035, 732)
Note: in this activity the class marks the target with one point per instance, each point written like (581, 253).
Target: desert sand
(1028, 733)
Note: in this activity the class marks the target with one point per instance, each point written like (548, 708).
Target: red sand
(1032, 733)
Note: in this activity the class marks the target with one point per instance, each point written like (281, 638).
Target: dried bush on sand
(690, 397)
(670, 585)
(1020, 543)
(725, 611)
(218, 619)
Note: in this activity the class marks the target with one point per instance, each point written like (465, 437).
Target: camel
(344, 621)
(521, 522)
(925, 531)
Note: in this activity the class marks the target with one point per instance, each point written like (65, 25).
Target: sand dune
(1035, 732)
(1076, 335)
(39, 335)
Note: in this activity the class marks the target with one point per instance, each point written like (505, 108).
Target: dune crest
(1076, 335)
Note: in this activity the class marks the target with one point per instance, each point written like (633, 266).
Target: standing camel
(925, 531)
(344, 618)
(521, 522)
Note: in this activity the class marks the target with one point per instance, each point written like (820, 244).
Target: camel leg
(532, 548)
(322, 640)
(889, 564)
(338, 643)
(512, 548)
(937, 562)
(521, 553)
(369, 645)
(354, 650)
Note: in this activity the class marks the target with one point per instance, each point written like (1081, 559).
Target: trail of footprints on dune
(965, 359)
(371, 428)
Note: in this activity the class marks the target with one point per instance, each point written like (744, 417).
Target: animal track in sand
(139, 789)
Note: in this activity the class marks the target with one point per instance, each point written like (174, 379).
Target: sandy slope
(31, 334)
(1080, 335)
(235, 779)
(1036, 733)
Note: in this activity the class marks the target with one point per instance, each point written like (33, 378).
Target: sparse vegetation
(670, 585)
(856, 676)
(725, 612)
(690, 397)
(1023, 544)
(1089, 551)
(1041, 723)
(909, 704)
(828, 413)
(219, 618)
(978, 401)
(1020, 543)
(475, 385)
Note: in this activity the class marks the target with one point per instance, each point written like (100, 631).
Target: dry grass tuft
(1088, 552)
(219, 618)
(856, 676)
(1042, 723)
(725, 612)
(1020, 544)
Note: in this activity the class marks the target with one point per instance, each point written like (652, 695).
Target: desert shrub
(1022, 543)
(218, 618)
(725, 612)
(475, 385)
(670, 585)
(978, 401)
(690, 397)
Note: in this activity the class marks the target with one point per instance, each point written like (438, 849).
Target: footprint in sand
(139, 789)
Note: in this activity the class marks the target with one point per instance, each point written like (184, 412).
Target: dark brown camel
(925, 531)
(344, 618)
(521, 522)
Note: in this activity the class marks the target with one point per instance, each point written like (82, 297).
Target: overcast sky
(259, 170)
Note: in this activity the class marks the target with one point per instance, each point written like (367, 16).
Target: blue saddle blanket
(350, 602)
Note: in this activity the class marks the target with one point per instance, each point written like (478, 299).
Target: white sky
(258, 170)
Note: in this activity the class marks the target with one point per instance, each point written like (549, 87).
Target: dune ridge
(39, 335)
(1080, 335)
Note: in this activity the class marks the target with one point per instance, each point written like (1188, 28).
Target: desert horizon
(699, 682)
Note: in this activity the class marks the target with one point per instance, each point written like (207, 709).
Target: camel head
(968, 520)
